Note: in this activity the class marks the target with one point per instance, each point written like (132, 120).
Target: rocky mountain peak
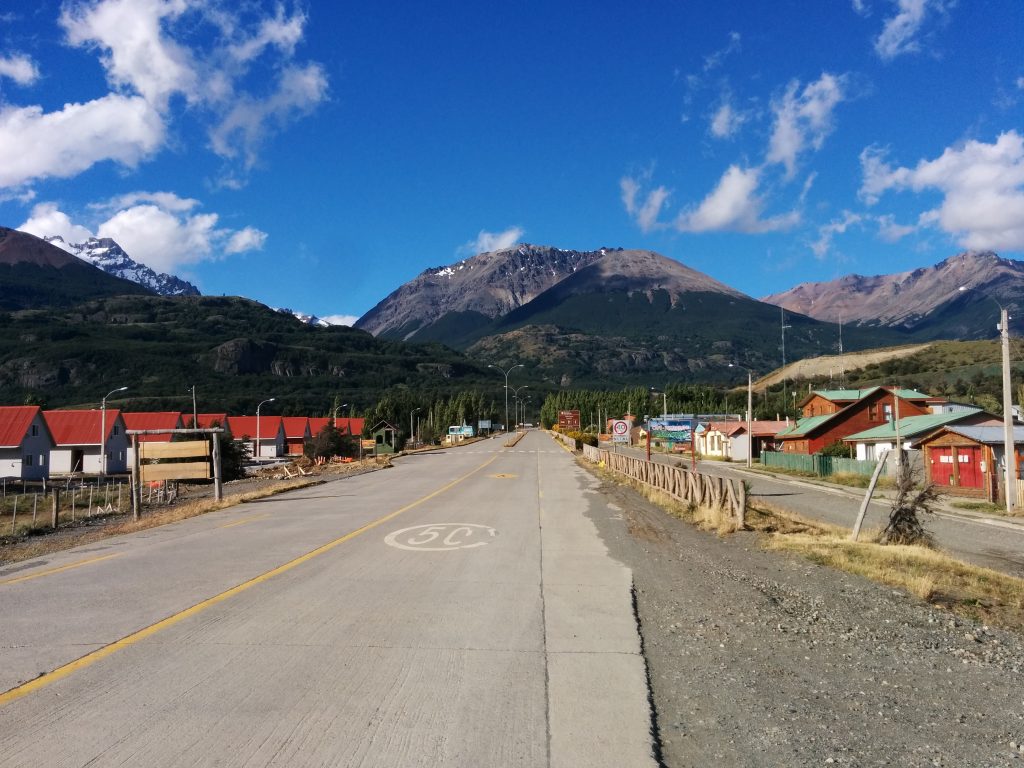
(104, 253)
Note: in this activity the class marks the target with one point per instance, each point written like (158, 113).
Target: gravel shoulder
(761, 659)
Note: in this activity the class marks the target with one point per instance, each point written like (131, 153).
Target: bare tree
(913, 497)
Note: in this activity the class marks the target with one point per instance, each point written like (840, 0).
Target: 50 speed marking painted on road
(441, 537)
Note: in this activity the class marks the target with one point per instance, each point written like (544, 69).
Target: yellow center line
(244, 520)
(67, 567)
(101, 653)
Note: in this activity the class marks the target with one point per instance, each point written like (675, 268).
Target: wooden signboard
(177, 470)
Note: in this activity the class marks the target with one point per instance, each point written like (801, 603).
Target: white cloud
(19, 68)
(714, 60)
(900, 32)
(726, 121)
(348, 320)
(36, 145)
(244, 128)
(1020, 83)
(137, 55)
(826, 233)
(982, 187)
(47, 220)
(892, 232)
(803, 118)
(153, 51)
(279, 32)
(157, 229)
(248, 239)
(646, 213)
(734, 206)
(493, 241)
(860, 7)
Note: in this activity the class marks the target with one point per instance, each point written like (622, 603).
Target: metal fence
(819, 465)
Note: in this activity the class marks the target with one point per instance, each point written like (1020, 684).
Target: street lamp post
(195, 411)
(411, 432)
(750, 411)
(515, 394)
(506, 373)
(103, 429)
(259, 449)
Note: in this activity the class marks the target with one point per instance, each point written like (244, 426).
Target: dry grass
(931, 575)
(46, 541)
(967, 590)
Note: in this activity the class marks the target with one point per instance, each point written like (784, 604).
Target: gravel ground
(762, 659)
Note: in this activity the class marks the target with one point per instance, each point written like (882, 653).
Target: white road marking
(450, 535)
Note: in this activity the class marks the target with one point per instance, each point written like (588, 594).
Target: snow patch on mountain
(104, 253)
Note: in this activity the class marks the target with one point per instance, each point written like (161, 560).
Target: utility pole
(785, 399)
(1009, 449)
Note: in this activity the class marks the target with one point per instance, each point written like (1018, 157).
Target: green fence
(819, 465)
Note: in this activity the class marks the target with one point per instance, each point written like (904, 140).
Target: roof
(728, 428)
(206, 420)
(14, 423)
(988, 435)
(152, 420)
(766, 427)
(350, 426)
(912, 426)
(853, 395)
(245, 426)
(79, 427)
(804, 426)
(294, 426)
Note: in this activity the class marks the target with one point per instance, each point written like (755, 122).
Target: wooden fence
(569, 442)
(683, 485)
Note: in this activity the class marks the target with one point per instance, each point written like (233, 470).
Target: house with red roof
(271, 439)
(353, 427)
(25, 443)
(211, 420)
(151, 420)
(296, 433)
(79, 441)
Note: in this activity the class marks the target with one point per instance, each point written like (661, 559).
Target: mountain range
(599, 318)
(957, 298)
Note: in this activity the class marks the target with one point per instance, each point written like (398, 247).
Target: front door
(969, 463)
(941, 464)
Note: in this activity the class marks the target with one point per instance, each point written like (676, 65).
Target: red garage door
(941, 466)
(969, 462)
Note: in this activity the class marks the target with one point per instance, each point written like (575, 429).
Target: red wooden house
(831, 415)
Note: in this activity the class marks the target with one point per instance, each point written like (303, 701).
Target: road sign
(568, 421)
(620, 431)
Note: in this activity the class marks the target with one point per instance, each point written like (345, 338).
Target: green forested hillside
(236, 351)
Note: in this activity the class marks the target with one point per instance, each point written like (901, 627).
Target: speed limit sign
(620, 431)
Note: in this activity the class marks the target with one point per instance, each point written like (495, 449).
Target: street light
(103, 429)
(517, 365)
(195, 411)
(411, 413)
(259, 450)
(750, 408)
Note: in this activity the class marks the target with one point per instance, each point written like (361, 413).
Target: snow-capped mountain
(307, 319)
(107, 255)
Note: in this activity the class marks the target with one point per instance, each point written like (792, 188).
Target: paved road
(984, 540)
(459, 609)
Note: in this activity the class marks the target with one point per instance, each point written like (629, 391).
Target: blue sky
(317, 155)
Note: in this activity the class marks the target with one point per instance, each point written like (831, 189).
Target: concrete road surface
(456, 610)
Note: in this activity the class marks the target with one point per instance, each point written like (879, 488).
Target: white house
(25, 443)
(77, 434)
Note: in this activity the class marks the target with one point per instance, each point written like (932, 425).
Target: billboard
(672, 428)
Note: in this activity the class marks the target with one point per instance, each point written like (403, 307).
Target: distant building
(77, 448)
(25, 443)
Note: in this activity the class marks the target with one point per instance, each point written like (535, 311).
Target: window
(117, 430)
(873, 412)
(42, 459)
(888, 411)
(35, 430)
(28, 460)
